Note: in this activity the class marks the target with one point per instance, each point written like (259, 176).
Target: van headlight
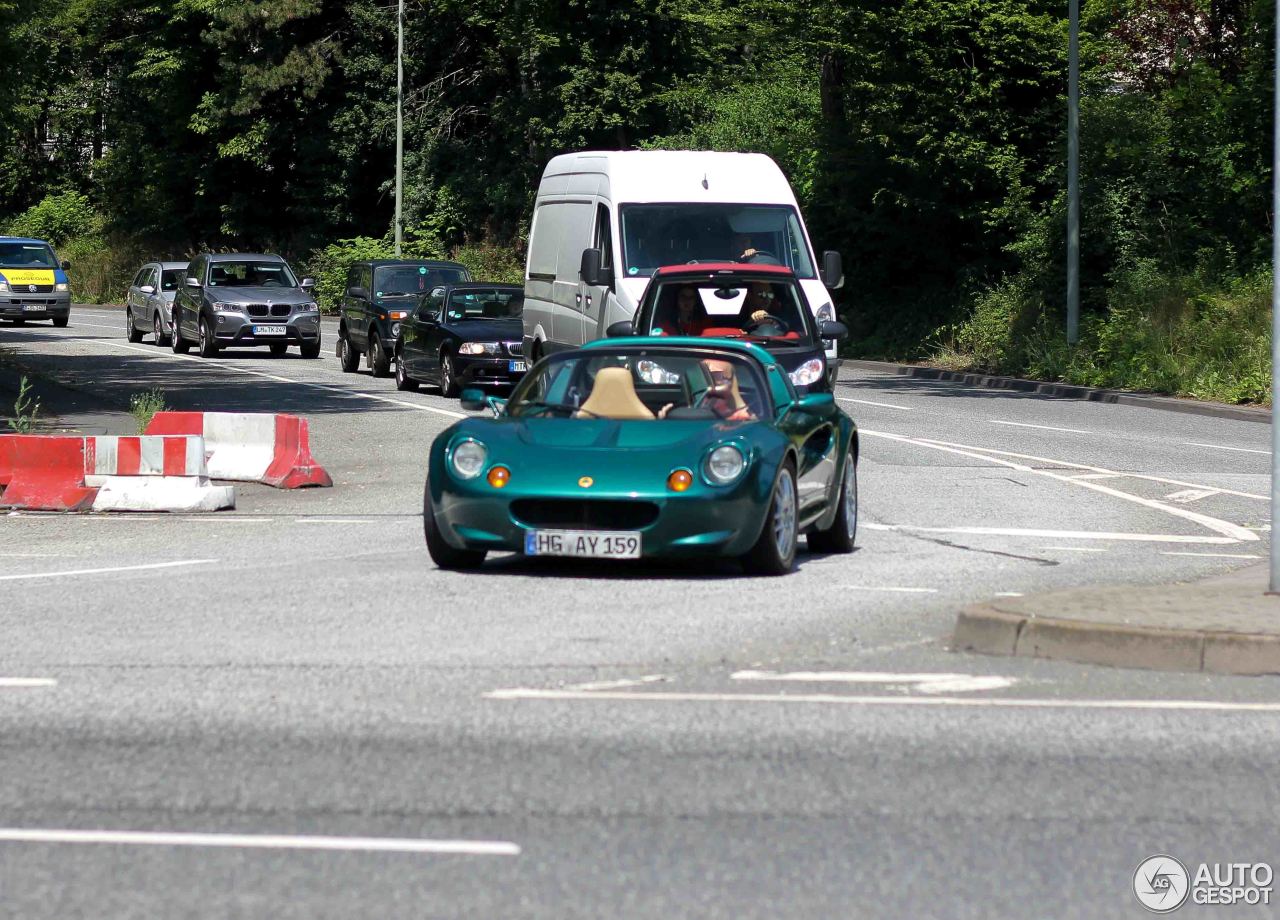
(467, 459)
(724, 464)
(62, 287)
(826, 313)
(809, 372)
(4, 287)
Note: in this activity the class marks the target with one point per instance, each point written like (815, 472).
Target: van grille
(585, 514)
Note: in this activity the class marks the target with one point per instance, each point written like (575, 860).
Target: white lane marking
(332, 521)
(28, 682)
(103, 571)
(1186, 496)
(1226, 528)
(1052, 534)
(1243, 450)
(996, 421)
(868, 402)
(262, 841)
(223, 519)
(889, 589)
(1009, 594)
(893, 646)
(925, 683)
(837, 699)
(1076, 549)
(227, 366)
(619, 684)
(1214, 555)
(34, 555)
(1097, 476)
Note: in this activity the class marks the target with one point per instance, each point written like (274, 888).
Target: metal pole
(1073, 178)
(399, 127)
(1275, 317)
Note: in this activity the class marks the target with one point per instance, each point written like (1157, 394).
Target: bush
(102, 268)
(58, 218)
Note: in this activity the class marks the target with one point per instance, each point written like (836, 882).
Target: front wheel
(775, 550)
(61, 322)
(157, 331)
(404, 383)
(448, 382)
(310, 349)
(348, 357)
(840, 536)
(442, 554)
(179, 345)
(130, 327)
(379, 361)
(208, 347)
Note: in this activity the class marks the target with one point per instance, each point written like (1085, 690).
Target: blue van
(33, 283)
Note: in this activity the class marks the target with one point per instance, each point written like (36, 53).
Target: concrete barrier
(152, 473)
(250, 446)
(44, 473)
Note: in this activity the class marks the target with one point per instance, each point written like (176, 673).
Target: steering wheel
(769, 258)
(768, 320)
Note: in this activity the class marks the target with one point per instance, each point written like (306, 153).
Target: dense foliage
(925, 139)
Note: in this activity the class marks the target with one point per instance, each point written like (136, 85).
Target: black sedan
(463, 335)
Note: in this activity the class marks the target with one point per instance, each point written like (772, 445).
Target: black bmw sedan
(462, 335)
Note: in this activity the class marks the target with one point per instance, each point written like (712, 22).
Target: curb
(988, 630)
(1069, 391)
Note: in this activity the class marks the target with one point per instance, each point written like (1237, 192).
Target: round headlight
(468, 459)
(725, 464)
(807, 373)
(395, 328)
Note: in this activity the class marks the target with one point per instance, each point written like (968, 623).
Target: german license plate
(268, 330)
(33, 308)
(517, 367)
(594, 544)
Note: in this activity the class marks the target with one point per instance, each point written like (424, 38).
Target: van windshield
(27, 255)
(654, 235)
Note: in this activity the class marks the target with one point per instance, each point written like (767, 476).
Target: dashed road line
(619, 684)
(1243, 450)
(108, 570)
(889, 589)
(924, 682)
(1214, 555)
(1052, 534)
(261, 841)
(28, 682)
(868, 402)
(996, 421)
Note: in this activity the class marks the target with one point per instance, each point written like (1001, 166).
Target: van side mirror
(592, 272)
(619, 329)
(832, 270)
(66, 266)
(472, 399)
(357, 293)
(830, 329)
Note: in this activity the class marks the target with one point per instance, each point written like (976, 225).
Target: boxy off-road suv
(242, 300)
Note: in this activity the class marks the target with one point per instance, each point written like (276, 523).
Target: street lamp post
(1274, 586)
(1073, 176)
(400, 127)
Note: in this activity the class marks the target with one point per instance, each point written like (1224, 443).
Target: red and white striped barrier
(71, 473)
(152, 473)
(250, 446)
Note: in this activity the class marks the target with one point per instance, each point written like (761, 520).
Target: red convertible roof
(704, 268)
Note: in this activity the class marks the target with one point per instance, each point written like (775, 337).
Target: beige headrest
(614, 396)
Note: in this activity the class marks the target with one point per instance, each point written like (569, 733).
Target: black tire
(61, 321)
(179, 345)
(843, 532)
(278, 349)
(379, 360)
(448, 382)
(130, 327)
(19, 322)
(404, 383)
(348, 357)
(442, 554)
(208, 347)
(310, 349)
(775, 550)
(157, 331)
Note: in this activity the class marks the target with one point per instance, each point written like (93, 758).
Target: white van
(634, 211)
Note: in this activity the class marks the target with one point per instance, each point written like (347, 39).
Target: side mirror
(193, 282)
(307, 284)
(832, 270)
(833, 330)
(147, 289)
(357, 293)
(66, 265)
(473, 399)
(592, 272)
(496, 405)
(620, 329)
(816, 402)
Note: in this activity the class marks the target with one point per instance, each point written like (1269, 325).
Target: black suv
(380, 294)
(234, 299)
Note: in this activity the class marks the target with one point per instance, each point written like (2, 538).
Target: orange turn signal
(499, 476)
(679, 480)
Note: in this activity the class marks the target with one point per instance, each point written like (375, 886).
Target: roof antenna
(705, 183)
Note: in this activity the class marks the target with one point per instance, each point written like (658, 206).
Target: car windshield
(171, 278)
(250, 273)
(764, 310)
(27, 255)
(644, 385)
(496, 304)
(398, 280)
(654, 235)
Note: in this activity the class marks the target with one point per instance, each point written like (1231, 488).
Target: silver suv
(242, 300)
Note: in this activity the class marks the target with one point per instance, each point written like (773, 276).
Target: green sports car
(641, 447)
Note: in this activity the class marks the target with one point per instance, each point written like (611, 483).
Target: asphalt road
(559, 740)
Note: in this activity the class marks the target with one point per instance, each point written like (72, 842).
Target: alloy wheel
(784, 515)
(850, 496)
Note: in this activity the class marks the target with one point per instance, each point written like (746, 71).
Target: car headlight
(397, 314)
(826, 313)
(220, 307)
(395, 328)
(4, 287)
(309, 307)
(724, 464)
(478, 348)
(62, 287)
(653, 372)
(468, 459)
(809, 372)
